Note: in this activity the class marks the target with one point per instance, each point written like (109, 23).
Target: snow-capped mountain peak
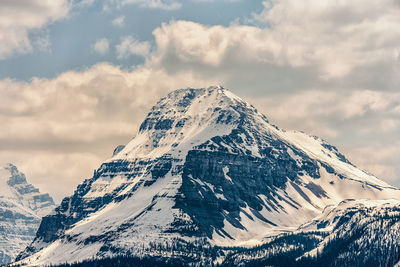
(186, 118)
(15, 186)
(21, 208)
(205, 168)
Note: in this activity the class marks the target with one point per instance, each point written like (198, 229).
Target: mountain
(352, 233)
(206, 177)
(21, 208)
(361, 233)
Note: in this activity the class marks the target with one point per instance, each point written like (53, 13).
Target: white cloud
(153, 4)
(119, 21)
(18, 19)
(101, 46)
(191, 42)
(331, 40)
(298, 109)
(66, 106)
(130, 46)
(339, 35)
(211, 1)
(83, 3)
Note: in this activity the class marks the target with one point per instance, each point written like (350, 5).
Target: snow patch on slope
(313, 147)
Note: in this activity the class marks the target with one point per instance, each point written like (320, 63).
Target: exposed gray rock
(118, 149)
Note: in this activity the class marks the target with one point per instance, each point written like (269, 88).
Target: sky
(78, 77)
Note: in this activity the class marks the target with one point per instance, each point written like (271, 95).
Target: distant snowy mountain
(206, 172)
(21, 209)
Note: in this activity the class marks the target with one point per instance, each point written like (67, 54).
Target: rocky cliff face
(21, 208)
(206, 171)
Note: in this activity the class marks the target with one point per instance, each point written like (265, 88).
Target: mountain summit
(21, 208)
(205, 172)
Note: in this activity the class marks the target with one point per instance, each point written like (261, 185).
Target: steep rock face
(21, 208)
(205, 169)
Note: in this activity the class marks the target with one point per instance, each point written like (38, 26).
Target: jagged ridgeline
(21, 208)
(207, 179)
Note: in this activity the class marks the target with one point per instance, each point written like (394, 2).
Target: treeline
(122, 261)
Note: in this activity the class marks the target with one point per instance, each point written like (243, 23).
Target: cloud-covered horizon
(327, 68)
